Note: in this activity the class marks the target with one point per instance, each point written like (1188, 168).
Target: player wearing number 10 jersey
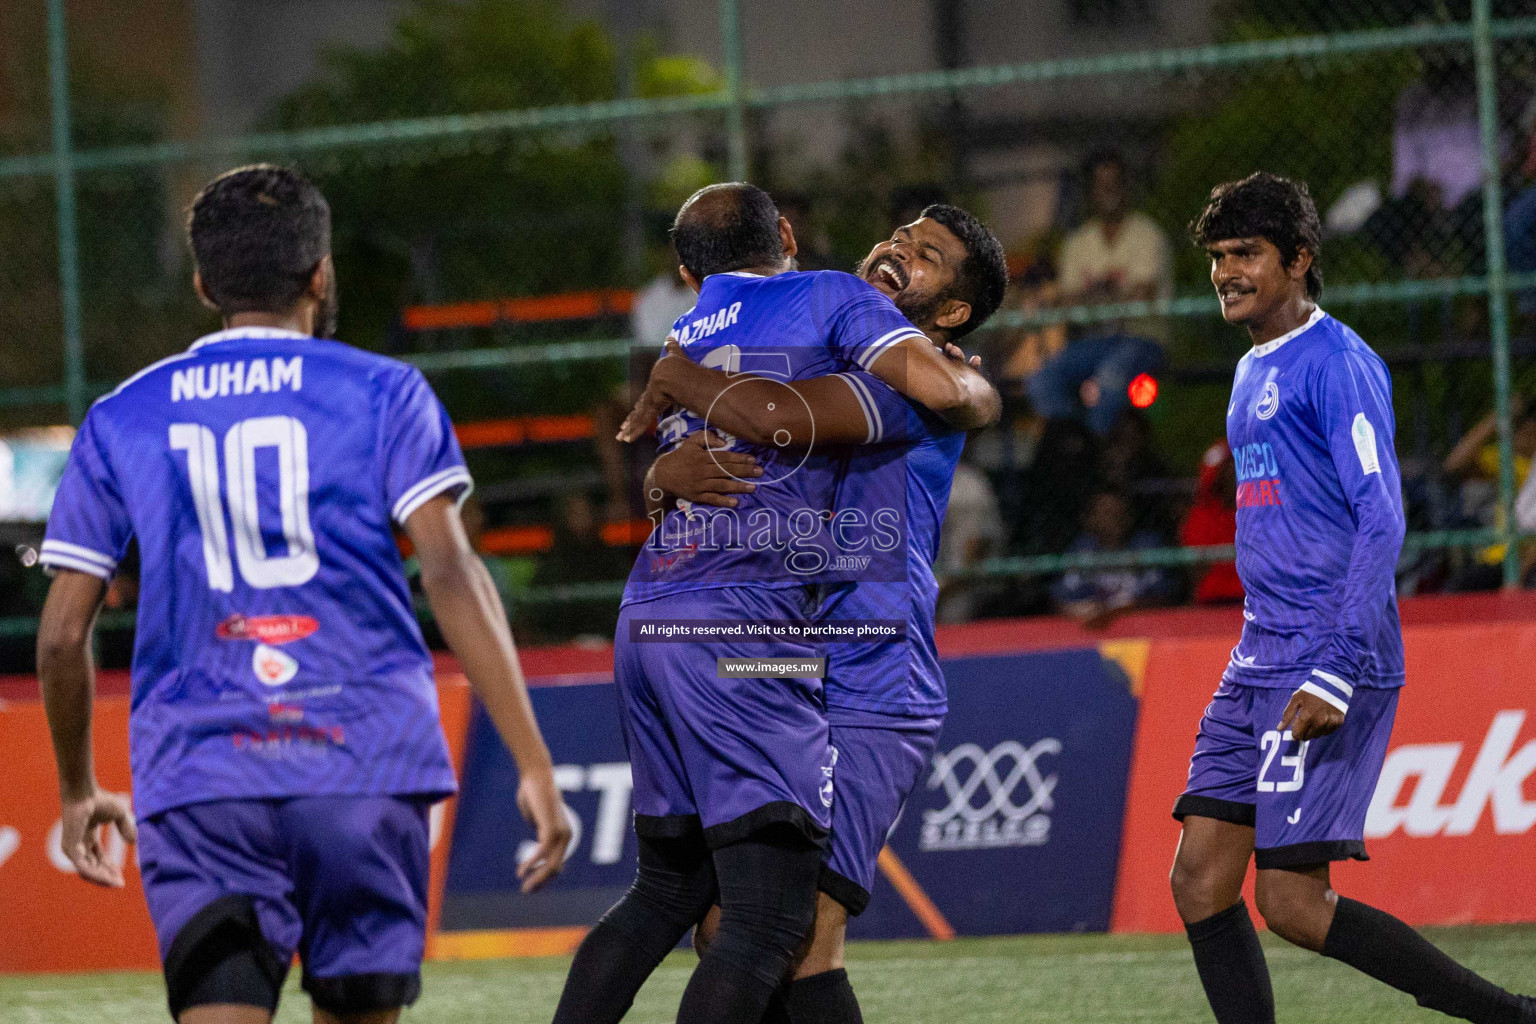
(284, 731)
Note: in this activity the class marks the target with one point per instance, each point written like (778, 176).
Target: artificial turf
(1102, 979)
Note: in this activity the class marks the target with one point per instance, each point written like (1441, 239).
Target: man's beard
(921, 311)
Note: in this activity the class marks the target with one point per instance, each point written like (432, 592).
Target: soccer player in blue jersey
(1292, 744)
(734, 778)
(285, 739)
(885, 698)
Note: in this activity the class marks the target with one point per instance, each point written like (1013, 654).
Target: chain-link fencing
(502, 175)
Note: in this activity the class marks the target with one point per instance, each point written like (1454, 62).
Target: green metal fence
(1293, 56)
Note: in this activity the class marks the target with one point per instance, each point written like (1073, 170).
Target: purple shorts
(730, 755)
(879, 761)
(1305, 801)
(342, 881)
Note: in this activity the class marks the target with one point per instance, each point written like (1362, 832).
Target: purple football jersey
(262, 473)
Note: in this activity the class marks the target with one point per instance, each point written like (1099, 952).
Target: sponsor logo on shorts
(267, 629)
(272, 666)
(826, 771)
(983, 789)
(1415, 777)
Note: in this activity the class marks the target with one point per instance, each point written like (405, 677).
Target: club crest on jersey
(272, 666)
(267, 629)
(1269, 401)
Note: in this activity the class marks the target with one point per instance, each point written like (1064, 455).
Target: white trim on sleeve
(425, 490)
(79, 551)
(867, 403)
(877, 347)
(1317, 691)
(55, 560)
(1335, 682)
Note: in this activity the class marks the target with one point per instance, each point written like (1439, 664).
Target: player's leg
(675, 882)
(1215, 846)
(760, 767)
(767, 883)
(673, 888)
(359, 867)
(1313, 812)
(216, 889)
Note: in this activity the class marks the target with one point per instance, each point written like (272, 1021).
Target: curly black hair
(257, 234)
(1270, 207)
(983, 276)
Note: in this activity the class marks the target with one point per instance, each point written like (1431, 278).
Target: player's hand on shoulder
(957, 353)
(80, 834)
(702, 470)
(541, 805)
(1309, 717)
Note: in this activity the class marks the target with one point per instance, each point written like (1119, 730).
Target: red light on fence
(1142, 390)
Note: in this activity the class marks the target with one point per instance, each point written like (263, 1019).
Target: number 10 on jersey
(259, 569)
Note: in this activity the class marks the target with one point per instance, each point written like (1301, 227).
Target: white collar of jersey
(738, 273)
(1269, 346)
(246, 332)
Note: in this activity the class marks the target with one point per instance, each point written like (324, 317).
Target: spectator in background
(1097, 596)
(1212, 520)
(1054, 492)
(972, 533)
(1475, 462)
(1129, 463)
(1119, 255)
(578, 556)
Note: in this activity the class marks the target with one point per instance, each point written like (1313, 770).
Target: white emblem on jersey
(1294, 818)
(272, 666)
(1365, 444)
(1269, 401)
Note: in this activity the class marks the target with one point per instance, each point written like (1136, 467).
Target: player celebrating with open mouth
(1293, 742)
(886, 698)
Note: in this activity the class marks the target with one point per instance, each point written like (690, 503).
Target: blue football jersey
(262, 474)
(910, 472)
(788, 326)
(1319, 514)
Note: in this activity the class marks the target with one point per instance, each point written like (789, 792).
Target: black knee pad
(363, 993)
(768, 900)
(220, 956)
(675, 882)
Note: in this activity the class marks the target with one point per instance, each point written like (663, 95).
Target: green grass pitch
(1061, 979)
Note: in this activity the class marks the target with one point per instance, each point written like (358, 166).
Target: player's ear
(787, 238)
(955, 313)
(1300, 264)
(320, 279)
(689, 279)
(202, 291)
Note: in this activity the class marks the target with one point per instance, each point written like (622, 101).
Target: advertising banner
(1014, 827)
(1450, 828)
(106, 929)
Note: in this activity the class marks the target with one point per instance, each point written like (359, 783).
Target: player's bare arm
(819, 410)
(951, 388)
(701, 469)
(470, 614)
(68, 678)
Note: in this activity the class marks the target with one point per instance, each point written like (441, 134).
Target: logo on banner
(1496, 781)
(997, 798)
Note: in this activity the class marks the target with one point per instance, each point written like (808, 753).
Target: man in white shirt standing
(1117, 255)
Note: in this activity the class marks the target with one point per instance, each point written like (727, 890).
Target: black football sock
(1376, 943)
(674, 887)
(767, 907)
(1232, 968)
(825, 998)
